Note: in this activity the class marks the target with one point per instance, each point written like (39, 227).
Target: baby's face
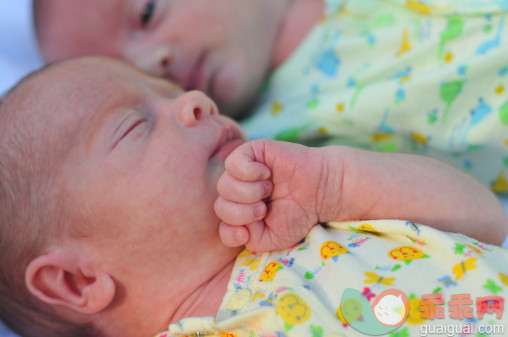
(221, 47)
(145, 162)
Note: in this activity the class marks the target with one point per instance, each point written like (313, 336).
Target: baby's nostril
(165, 62)
(197, 113)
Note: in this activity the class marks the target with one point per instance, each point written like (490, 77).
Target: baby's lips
(224, 150)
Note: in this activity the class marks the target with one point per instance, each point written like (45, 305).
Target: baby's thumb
(247, 163)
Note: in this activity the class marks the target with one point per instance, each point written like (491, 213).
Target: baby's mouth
(230, 138)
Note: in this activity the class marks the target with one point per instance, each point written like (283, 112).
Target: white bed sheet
(19, 55)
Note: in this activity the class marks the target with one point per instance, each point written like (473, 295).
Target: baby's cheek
(231, 85)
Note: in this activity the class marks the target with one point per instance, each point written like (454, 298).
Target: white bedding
(19, 56)
(18, 50)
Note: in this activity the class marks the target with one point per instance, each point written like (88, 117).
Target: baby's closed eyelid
(134, 125)
(132, 121)
(138, 129)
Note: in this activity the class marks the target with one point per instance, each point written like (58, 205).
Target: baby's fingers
(242, 164)
(243, 192)
(253, 236)
(261, 238)
(233, 236)
(239, 214)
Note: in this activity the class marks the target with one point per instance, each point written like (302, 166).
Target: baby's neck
(150, 300)
(206, 300)
(301, 17)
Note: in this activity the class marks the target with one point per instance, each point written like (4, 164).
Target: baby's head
(32, 204)
(221, 47)
(107, 183)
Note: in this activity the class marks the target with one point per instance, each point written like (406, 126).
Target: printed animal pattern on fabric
(421, 76)
(297, 291)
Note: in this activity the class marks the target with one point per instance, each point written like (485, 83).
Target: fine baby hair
(34, 207)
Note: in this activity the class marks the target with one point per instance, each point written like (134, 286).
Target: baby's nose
(196, 105)
(163, 61)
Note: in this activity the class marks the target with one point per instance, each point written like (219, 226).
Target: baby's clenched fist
(270, 194)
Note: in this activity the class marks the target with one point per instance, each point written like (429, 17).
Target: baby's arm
(294, 187)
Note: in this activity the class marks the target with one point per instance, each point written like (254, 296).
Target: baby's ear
(62, 278)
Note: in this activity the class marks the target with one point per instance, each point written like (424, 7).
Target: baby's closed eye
(137, 129)
(132, 128)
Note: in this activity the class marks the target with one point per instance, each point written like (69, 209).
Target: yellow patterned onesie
(388, 277)
(421, 76)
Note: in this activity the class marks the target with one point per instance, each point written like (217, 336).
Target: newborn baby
(127, 204)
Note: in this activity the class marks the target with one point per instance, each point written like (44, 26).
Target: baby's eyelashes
(137, 129)
(133, 126)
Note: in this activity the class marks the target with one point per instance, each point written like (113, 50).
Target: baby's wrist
(330, 192)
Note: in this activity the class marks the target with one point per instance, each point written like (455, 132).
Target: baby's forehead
(86, 10)
(29, 127)
(72, 95)
(60, 96)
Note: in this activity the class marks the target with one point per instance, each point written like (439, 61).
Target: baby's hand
(270, 194)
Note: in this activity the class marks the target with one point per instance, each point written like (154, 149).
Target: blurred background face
(221, 47)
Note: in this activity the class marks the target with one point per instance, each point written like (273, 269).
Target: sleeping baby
(127, 205)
